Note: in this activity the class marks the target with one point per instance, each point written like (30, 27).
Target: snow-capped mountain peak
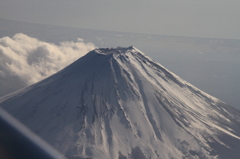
(107, 51)
(118, 103)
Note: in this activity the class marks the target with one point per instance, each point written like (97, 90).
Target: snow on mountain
(119, 104)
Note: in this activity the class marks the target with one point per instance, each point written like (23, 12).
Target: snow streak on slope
(118, 103)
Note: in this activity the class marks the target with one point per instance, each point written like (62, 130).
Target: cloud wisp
(33, 60)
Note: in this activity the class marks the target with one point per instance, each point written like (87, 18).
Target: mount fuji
(117, 103)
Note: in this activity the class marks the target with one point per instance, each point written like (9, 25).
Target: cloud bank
(33, 60)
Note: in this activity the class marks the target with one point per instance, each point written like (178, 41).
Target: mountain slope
(118, 103)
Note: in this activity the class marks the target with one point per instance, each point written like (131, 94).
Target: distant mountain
(117, 103)
(210, 64)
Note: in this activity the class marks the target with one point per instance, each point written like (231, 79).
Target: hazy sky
(200, 18)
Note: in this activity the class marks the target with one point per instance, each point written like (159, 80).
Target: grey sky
(198, 18)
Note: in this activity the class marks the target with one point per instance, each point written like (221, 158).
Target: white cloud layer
(33, 60)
